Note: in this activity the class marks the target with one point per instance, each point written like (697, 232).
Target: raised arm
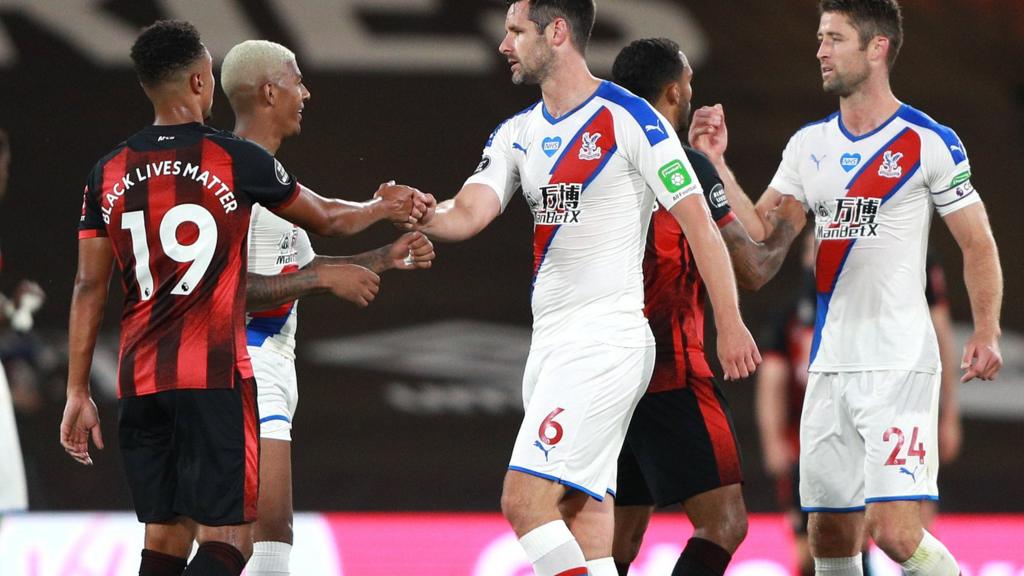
(736, 349)
(464, 216)
(337, 217)
(88, 301)
(710, 134)
(984, 279)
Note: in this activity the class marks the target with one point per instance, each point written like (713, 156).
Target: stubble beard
(844, 86)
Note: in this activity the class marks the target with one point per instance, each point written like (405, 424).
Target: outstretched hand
(411, 251)
(350, 282)
(80, 422)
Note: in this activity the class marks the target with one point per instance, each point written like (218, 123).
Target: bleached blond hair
(252, 64)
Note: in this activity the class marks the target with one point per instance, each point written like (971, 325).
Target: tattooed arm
(755, 263)
(352, 278)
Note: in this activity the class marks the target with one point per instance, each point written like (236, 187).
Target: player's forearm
(345, 218)
(452, 223)
(984, 279)
(741, 204)
(715, 268)
(266, 292)
(375, 260)
(87, 305)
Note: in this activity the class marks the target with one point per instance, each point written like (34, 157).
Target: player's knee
(832, 537)
(734, 531)
(626, 546)
(512, 506)
(898, 542)
(728, 531)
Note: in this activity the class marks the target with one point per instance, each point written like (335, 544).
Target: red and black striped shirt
(175, 203)
(674, 290)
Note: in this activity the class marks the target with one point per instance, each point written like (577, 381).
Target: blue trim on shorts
(611, 493)
(275, 417)
(901, 498)
(832, 510)
(594, 495)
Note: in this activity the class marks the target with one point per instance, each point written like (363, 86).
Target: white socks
(851, 566)
(553, 551)
(931, 559)
(602, 567)
(269, 559)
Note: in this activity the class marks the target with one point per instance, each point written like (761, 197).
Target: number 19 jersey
(590, 178)
(175, 203)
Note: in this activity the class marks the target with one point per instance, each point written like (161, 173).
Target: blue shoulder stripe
(638, 108)
(490, 139)
(829, 118)
(949, 138)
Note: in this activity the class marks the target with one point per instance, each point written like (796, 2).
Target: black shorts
(680, 443)
(193, 453)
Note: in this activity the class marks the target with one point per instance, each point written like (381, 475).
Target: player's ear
(560, 33)
(195, 83)
(879, 47)
(268, 93)
(672, 94)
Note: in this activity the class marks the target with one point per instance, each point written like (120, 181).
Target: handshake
(407, 208)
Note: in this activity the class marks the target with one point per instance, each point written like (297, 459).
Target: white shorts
(13, 489)
(868, 437)
(277, 392)
(579, 398)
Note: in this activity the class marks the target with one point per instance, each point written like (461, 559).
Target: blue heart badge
(849, 161)
(551, 145)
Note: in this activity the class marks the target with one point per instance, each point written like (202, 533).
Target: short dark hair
(646, 66)
(580, 14)
(164, 48)
(872, 18)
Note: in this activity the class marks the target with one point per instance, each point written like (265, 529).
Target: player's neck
(868, 108)
(173, 113)
(259, 132)
(567, 87)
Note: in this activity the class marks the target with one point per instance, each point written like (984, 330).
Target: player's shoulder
(702, 165)
(933, 132)
(639, 111)
(513, 122)
(95, 174)
(816, 127)
(235, 143)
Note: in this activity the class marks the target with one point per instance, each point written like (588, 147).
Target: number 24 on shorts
(915, 449)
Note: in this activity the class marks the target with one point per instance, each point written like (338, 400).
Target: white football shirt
(872, 197)
(590, 178)
(276, 246)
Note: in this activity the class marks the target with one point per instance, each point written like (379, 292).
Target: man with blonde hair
(264, 85)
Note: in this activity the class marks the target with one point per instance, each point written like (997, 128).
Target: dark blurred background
(413, 403)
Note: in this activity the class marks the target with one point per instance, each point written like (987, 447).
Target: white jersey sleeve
(660, 159)
(304, 253)
(787, 178)
(947, 171)
(498, 168)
